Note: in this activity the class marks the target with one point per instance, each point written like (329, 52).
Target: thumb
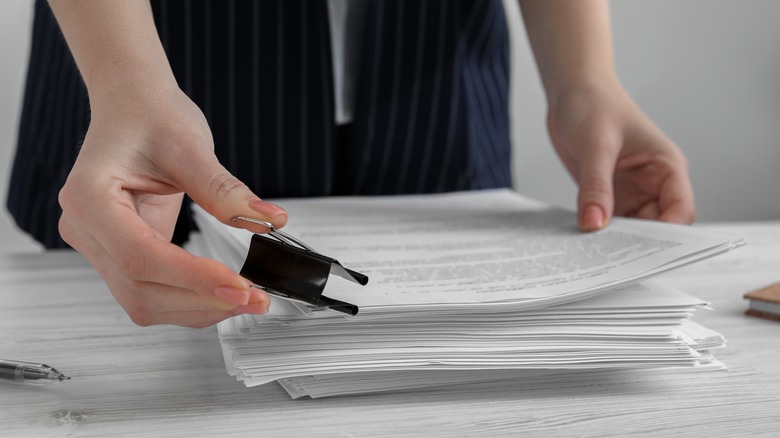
(223, 195)
(595, 201)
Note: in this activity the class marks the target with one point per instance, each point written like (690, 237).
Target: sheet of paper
(476, 248)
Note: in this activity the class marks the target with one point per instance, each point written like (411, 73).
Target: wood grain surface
(171, 381)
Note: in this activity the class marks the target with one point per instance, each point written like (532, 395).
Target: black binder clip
(284, 266)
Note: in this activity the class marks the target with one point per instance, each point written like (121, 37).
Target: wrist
(593, 85)
(115, 87)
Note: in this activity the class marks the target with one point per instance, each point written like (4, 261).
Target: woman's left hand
(624, 165)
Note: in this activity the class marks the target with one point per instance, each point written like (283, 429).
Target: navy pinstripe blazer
(431, 110)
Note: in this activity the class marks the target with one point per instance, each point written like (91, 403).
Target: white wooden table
(170, 381)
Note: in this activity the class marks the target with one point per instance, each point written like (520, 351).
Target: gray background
(706, 71)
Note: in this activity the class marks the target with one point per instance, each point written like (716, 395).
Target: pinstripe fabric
(430, 115)
(423, 120)
(53, 121)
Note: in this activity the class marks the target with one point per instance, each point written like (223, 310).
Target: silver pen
(26, 372)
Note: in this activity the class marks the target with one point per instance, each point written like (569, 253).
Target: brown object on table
(765, 302)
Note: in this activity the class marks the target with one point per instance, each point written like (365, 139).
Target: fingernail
(266, 208)
(258, 297)
(593, 218)
(256, 309)
(232, 295)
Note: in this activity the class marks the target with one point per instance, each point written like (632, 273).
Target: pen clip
(286, 267)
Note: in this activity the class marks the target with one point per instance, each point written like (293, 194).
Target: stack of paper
(464, 287)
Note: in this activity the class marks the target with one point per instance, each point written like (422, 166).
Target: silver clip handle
(279, 235)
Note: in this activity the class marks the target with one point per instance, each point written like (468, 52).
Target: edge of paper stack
(470, 287)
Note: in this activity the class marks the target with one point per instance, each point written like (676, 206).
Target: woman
(302, 98)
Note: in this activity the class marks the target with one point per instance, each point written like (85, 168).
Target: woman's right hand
(146, 146)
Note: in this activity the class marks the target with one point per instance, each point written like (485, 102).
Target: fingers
(221, 194)
(595, 201)
(655, 187)
(678, 213)
(154, 281)
(143, 256)
(649, 210)
(650, 181)
(194, 319)
(677, 203)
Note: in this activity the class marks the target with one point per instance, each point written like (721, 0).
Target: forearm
(115, 45)
(572, 43)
